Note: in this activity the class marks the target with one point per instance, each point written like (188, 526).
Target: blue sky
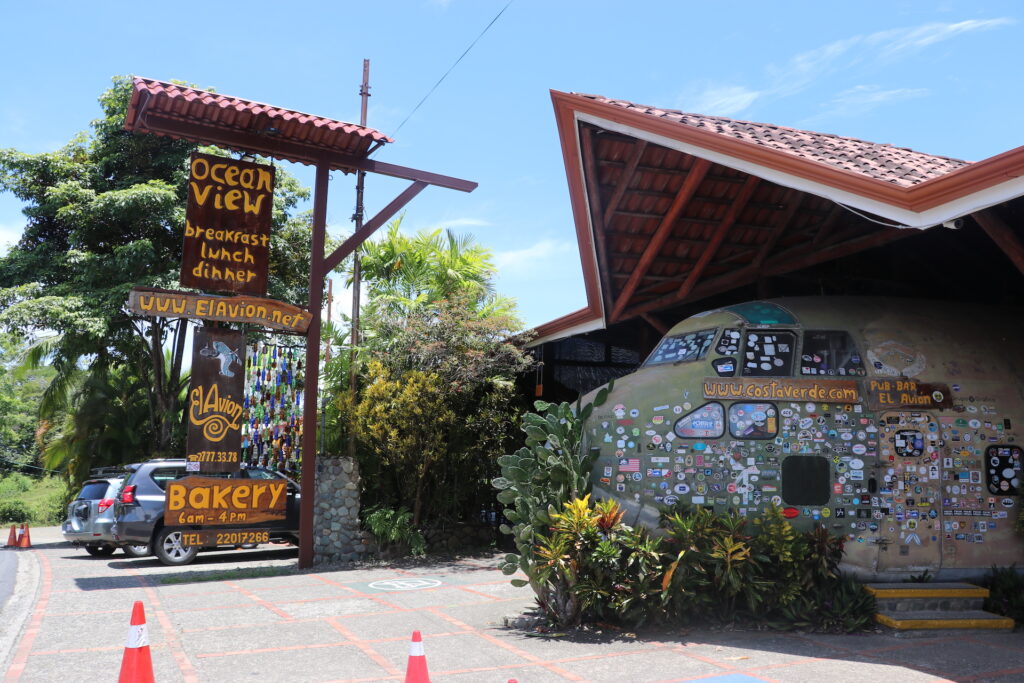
(939, 77)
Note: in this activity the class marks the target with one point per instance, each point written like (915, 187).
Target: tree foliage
(20, 396)
(105, 213)
(437, 369)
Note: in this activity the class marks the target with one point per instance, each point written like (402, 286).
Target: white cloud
(463, 223)
(803, 70)
(861, 99)
(893, 43)
(536, 258)
(722, 100)
(9, 235)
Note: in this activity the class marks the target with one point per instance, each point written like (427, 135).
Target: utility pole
(357, 218)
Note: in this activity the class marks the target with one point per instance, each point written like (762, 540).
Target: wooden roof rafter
(773, 200)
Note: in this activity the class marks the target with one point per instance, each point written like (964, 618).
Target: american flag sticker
(629, 465)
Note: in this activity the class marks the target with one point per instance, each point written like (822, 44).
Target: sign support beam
(317, 274)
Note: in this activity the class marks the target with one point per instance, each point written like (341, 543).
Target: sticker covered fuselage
(893, 423)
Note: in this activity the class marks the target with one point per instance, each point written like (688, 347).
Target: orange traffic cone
(416, 672)
(24, 541)
(12, 539)
(137, 664)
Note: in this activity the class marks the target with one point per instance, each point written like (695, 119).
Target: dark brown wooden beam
(588, 149)
(792, 199)
(655, 323)
(661, 233)
(624, 180)
(739, 203)
(795, 258)
(1003, 235)
(371, 226)
(826, 226)
(306, 154)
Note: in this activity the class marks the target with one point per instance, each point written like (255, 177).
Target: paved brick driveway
(355, 624)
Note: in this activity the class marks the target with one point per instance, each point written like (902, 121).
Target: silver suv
(139, 510)
(90, 516)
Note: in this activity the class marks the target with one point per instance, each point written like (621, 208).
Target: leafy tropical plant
(395, 527)
(536, 481)
(1006, 592)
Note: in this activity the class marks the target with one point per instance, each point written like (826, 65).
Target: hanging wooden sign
(227, 225)
(214, 407)
(908, 393)
(162, 303)
(783, 389)
(211, 501)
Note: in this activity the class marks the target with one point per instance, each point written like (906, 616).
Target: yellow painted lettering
(231, 199)
(201, 194)
(199, 498)
(239, 496)
(175, 497)
(276, 491)
(200, 168)
(220, 497)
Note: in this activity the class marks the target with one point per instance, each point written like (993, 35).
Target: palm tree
(404, 274)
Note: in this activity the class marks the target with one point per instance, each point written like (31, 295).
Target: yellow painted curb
(928, 592)
(905, 624)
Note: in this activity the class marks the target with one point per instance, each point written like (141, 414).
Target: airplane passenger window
(769, 353)
(753, 420)
(830, 353)
(806, 480)
(706, 422)
(684, 347)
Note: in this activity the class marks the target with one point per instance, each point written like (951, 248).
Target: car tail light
(105, 503)
(128, 495)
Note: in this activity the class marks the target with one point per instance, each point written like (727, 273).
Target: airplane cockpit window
(681, 348)
(753, 420)
(830, 353)
(769, 353)
(729, 343)
(706, 422)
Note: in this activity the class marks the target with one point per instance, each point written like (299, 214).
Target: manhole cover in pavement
(404, 584)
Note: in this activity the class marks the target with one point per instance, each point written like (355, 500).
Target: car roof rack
(117, 470)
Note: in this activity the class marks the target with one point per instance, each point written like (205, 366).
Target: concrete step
(885, 591)
(916, 597)
(930, 620)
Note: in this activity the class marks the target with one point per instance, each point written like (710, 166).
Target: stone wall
(337, 536)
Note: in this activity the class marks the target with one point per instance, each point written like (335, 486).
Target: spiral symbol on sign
(214, 427)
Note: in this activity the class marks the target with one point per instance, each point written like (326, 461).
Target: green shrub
(14, 511)
(51, 511)
(394, 528)
(14, 485)
(535, 483)
(1006, 592)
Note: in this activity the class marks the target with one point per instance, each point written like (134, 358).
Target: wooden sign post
(215, 401)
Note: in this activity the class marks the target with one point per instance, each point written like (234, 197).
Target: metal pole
(357, 271)
(309, 409)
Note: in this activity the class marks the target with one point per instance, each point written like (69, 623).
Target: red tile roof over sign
(152, 97)
(897, 165)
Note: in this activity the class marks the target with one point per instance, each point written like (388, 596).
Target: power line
(452, 67)
(13, 464)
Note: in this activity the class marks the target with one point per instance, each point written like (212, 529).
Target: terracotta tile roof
(245, 116)
(897, 165)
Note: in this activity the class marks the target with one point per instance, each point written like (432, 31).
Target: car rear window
(94, 490)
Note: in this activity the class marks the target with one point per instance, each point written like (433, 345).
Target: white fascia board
(590, 224)
(580, 328)
(996, 194)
